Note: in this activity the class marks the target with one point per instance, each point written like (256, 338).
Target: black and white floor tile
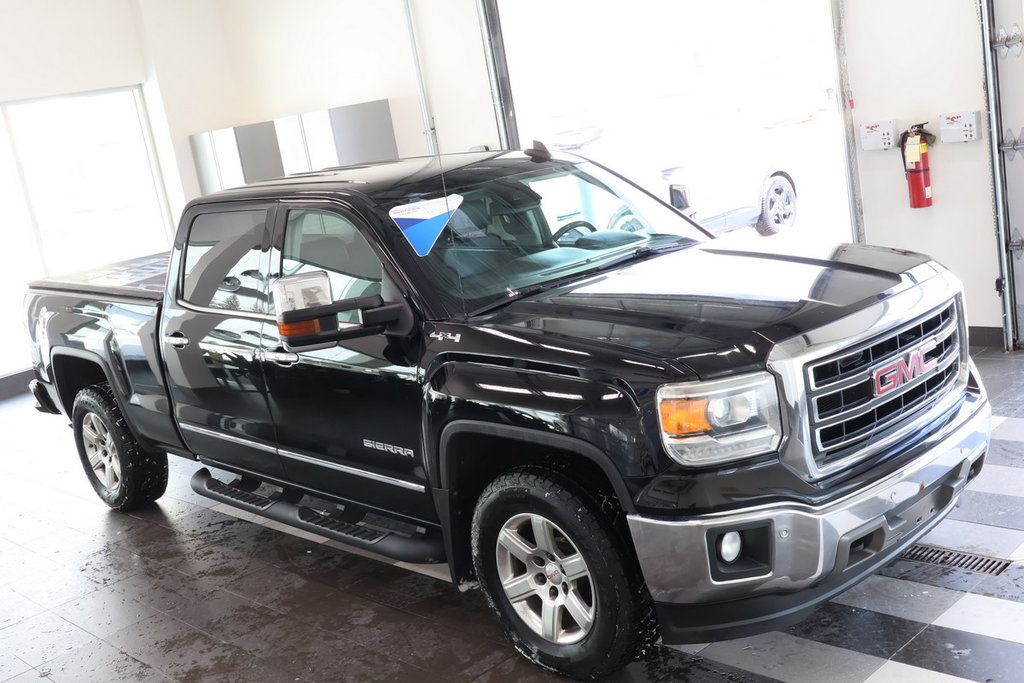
(192, 591)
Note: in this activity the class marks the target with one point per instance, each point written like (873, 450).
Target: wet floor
(186, 590)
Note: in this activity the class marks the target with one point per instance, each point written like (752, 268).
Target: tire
(559, 576)
(778, 206)
(123, 475)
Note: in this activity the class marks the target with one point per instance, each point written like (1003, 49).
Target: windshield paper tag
(423, 222)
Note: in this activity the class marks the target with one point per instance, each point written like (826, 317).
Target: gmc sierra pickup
(528, 368)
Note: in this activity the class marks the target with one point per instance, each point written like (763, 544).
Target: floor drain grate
(954, 558)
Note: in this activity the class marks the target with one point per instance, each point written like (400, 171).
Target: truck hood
(716, 310)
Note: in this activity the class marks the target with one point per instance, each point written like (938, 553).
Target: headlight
(707, 423)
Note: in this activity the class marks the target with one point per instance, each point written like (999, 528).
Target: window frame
(181, 247)
(391, 275)
(289, 240)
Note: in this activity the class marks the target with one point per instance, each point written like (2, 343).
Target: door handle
(177, 340)
(281, 357)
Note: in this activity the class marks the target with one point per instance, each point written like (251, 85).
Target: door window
(222, 262)
(318, 240)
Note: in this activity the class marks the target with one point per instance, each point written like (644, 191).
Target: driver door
(348, 417)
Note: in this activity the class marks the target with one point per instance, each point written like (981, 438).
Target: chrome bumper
(837, 543)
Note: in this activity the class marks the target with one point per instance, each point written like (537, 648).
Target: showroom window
(741, 127)
(80, 188)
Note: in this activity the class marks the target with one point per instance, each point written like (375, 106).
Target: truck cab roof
(370, 179)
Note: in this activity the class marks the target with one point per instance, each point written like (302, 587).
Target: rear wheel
(559, 576)
(123, 475)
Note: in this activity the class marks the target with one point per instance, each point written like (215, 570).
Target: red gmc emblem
(894, 375)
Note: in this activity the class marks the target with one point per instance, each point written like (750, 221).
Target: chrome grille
(843, 406)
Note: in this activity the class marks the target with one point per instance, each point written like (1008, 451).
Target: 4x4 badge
(894, 375)
(449, 336)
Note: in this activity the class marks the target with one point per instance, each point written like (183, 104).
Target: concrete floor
(186, 590)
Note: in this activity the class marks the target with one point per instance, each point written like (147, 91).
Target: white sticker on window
(423, 222)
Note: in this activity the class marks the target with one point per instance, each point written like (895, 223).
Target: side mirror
(308, 317)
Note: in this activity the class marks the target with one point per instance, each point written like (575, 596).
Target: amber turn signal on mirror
(299, 329)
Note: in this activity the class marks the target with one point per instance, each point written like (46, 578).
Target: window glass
(684, 113)
(23, 262)
(523, 223)
(89, 179)
(79, 188)
(570, 199)
(222, 262)
(321, 240)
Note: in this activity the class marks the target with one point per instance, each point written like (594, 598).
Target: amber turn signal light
(684, 416)
(299, 329)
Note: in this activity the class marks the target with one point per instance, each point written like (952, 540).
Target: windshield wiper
(529, 290)
(646, 252)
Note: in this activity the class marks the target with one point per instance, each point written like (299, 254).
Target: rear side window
(320, 240)
(222, 261)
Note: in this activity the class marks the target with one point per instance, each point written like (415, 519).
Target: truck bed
(138, 278)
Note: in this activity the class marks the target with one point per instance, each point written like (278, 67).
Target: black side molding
(283, 506)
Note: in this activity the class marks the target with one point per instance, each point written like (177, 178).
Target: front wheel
(778, 206)
(559, 576)
(122, 473)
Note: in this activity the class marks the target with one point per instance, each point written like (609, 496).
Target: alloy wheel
(546, 579)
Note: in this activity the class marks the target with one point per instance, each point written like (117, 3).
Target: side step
(282, 506)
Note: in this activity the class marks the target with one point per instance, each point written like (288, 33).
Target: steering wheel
(570, 227)
(625, 219)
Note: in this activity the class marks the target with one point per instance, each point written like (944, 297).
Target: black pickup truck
(528, 368)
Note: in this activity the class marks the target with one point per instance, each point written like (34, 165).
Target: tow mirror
(307, 316)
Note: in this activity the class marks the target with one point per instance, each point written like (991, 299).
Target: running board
(281, 507)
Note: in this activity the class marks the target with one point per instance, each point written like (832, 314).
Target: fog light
(729, 546)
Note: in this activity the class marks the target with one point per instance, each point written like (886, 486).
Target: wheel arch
(74, 370)
(778, 174)
(464, 473)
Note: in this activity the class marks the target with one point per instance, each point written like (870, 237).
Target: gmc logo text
(899, 372)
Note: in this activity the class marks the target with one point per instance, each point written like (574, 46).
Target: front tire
(559, 576)
(123, 475)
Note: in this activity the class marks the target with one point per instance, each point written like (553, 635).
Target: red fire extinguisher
(914, 150)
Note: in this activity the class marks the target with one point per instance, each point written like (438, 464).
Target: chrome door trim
(228, 312)
(352, 470)
(227, 437)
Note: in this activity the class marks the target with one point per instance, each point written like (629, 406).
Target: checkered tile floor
(191, 591)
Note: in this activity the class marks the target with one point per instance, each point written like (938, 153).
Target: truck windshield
(509, 224)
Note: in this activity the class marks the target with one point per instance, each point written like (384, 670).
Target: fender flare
(530, 436)
(116, 383)
(90, 356)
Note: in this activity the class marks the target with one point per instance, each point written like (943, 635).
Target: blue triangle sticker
(423, 222)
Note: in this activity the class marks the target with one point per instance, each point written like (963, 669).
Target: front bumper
(814, 553)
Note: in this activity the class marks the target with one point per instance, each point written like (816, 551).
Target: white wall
(232, 62)
(209, 64)
(313, 54)
(54, 47)
(912, 61)
(455, 72)
(193, 83)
